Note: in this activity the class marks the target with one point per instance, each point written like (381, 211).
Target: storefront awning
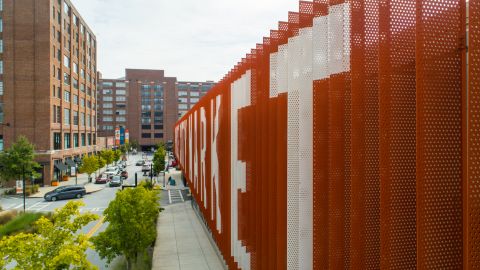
(70, 163)
(61, 167)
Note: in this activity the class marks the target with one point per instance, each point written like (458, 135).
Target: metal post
(23, 180)
(151, 173)
(136, 179)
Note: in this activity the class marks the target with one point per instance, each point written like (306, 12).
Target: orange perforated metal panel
(397, 134)
(439, 133)
(365, 175)
(472, 182)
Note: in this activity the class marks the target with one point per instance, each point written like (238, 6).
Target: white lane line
(169, 197)
(18, 206)
(181, 195)
(34, 205)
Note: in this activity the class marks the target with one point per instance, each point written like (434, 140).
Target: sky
(189, 39)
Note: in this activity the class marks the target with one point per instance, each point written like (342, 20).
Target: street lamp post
(76, 174)
(23, 183)
(151, 173)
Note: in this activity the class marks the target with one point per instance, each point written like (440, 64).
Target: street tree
(18, 160)
(117, 154)
(108, 155)
(159, 159)
(57, 245)
(131, 219)
(89, 166)
(134, 144)
(101, 162)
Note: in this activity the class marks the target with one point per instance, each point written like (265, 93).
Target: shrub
(6, 216)
(146, 184)
(21, 223)
(10, 191)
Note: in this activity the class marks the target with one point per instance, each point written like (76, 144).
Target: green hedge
(21, 223)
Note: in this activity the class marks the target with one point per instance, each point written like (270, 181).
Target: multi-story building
(189, 93)
(146, 103)
(47, 81)
(112, 106)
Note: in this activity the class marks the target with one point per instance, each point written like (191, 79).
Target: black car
(140, 163)
(65, 192)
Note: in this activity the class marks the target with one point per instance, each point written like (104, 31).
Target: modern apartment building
(146, 103)
(48, 81)
(189, 93)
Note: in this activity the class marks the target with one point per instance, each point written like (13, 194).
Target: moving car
(116, 181)
(124, 175)
(146, 168)
(65, 192)
(101, 179)
(140, 162)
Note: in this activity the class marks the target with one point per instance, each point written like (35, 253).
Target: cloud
(191, 40)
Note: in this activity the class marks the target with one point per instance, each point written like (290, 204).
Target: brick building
(146, 103)
(47, 81)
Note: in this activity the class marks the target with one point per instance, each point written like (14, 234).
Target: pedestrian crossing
(175, 196)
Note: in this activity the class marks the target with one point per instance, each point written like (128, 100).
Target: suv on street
(140, 162)
(65, 192)
(116, 181)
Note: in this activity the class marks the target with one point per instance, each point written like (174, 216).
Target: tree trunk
(129, 263)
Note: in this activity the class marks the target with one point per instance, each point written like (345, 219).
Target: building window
(89, 139)
(107, 98)
(182, 94)
(75, 83)
(82, 119)
(82, 87)
(183, 100)
(194, 94)
(120, 84)
(1, 25)
(107, 91)
(146, 127)
(121, 92)
(66, 96)
(182, 106)
(75, 140)
(88, 120)
(146, 135)
(121, 119)
(83, 139)
(66, 61)
(57, 141)
(1, 112)
(194, 100)
(1, 9)
(1, 45)
(82, 102)
(107, 111)
(107, 84)
(75, 67)
(66, 78)
(66, 116)
(158, 135)
(75, 118)
(75, 99)
(66, 141)
(121, 112)
(107, 105)
(1, 66)
(107, 119)
(1, 88)
(120, 98)
(57, 114)
(158, 127)
(1, 143)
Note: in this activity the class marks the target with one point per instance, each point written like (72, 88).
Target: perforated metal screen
(347, 139)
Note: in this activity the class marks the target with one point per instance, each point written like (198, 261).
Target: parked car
(65, 192)
(124, 175)
(101, 179)
(116, 181)
(146, 168)
(140, 162)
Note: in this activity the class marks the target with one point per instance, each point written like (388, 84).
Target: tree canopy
(18, 160)
(108, 155)
(159, 159)
(89, 165)
(131, 218)
(58, 244)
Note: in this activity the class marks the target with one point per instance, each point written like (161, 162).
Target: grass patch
(21, 223)
(144, 262)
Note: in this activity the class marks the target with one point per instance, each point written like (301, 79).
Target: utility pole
(23, 181)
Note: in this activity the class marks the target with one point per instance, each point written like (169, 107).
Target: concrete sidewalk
(182, 242)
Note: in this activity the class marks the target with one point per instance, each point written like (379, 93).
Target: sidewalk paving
(182, 242)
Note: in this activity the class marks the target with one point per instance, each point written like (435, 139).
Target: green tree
(117, 154)
(89, 166)
(18, 160)
(108, 155)
(131, 218)
(134, 144)
(159, 159)
(101, 161)
(57, 245)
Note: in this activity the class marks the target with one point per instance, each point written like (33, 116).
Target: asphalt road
(96, 203)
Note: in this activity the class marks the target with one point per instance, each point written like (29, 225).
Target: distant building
(189, 93)
(146, 103)
(48, 67)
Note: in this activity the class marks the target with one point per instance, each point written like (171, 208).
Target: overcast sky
(190, 39)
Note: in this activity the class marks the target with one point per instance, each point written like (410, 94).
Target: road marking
(169, 197)
(39, 206)
(181, 195)
(96, 227)
(18, 206)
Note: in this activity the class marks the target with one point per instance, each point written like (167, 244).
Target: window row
(78, 139)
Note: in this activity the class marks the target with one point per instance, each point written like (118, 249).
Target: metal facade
(347, 139)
